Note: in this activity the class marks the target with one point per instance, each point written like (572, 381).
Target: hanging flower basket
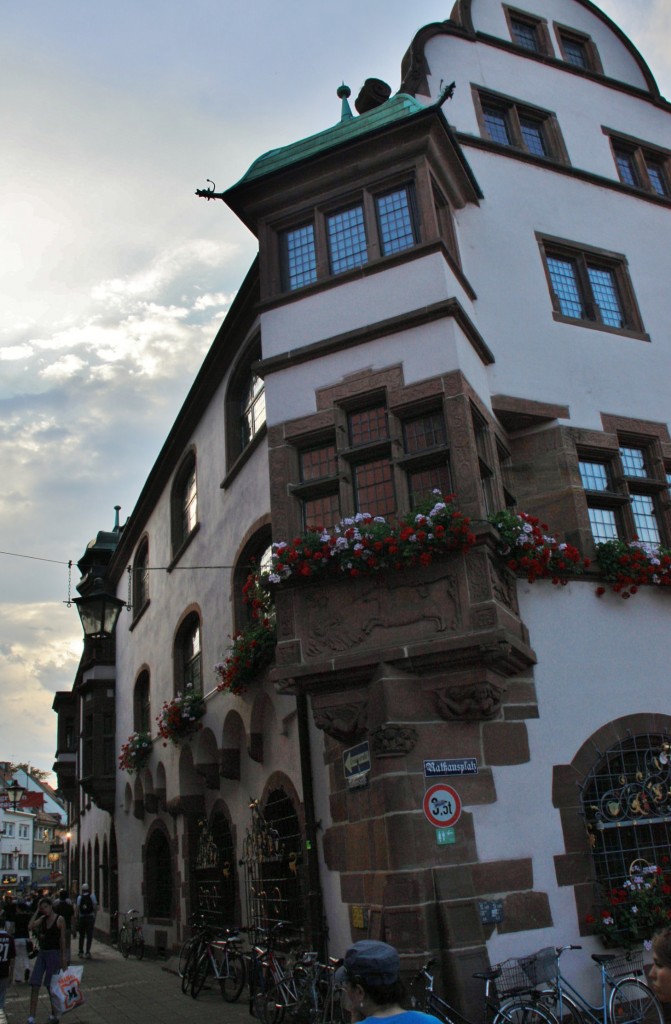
(253, 647)
(526, 547)
(628, 565)
(365, 544)
(135, 752)
(180, 717)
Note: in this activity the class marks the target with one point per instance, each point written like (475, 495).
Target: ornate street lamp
(99, 611)
(15, 793)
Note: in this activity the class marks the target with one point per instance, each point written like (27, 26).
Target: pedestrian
(373, 986)
(9, 912)
(7, 955)
(87, 908)
(660, 972)
(50, 928)
(65, 908)
(21, 940)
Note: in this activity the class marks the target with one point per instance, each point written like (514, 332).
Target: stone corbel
(479, 700)
(392, 740)
(343, 722)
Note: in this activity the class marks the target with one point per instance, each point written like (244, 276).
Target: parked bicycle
(506, 998)
(307, 992)
(625, 997)
(222, 958)
(131, 936)
(197, 923)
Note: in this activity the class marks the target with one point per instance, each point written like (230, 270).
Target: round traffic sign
(442, 805)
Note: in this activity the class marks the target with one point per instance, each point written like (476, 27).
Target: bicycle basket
(522, 974)
(623, 966)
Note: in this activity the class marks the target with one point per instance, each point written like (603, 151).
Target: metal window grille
(575, 53)
(657, 178)
(321, 512)
(645, 518)
(395, 222)
(300, 256)
(368, 425)
(633, 462)
(626, 804)
(318, 463)
(605, 296)
(496, 124)
(374, 488)
(347, 240)
(525, 34)
(565, 285)
(603, 522)
(594, 476)
(626, 167)
(422, 432)
(532, 136)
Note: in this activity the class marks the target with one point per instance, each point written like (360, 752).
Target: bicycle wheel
(516, 1011)
(189, 967)
(232, 978)
(270, 1005)
(124, 942)
(184, 954)
(570, 1011)
(632, 1002)
(200, 973)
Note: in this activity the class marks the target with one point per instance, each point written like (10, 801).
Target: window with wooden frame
(187, 656)
(374, 461)
(184, 503)
(142, 703)
(528, 31)
(483, 446)
(374, 223)
(140, 587)
(641, 165)
(590, 286)
(245, 405)
(578, 49)
(519, 126)
(625, 491)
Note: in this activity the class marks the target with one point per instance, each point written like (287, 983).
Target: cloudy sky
(114, 277)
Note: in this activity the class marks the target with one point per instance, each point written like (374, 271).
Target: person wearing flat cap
(371, 976)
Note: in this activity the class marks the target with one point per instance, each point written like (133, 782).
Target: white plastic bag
(66, 989)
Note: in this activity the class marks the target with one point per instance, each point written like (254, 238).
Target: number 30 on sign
(442, 805)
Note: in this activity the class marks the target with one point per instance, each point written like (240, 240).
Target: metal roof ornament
(344, 92)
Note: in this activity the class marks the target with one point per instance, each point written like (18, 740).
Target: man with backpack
(86, 910)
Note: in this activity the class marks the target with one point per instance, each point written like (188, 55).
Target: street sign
(356, 760)
(442, 805)
(57, 848)
(445, 836)
(455, 766)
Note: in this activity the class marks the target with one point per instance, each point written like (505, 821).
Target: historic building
(462, 287)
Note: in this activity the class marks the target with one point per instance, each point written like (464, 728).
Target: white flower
(634, 909)
(527, 527)
(379, 519)
(608, 920)
(274, 578)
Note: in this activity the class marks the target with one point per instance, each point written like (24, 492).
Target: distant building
(32, 834)
(462, 291)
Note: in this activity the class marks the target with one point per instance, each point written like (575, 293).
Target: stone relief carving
(344, 723)
(391, 740)
(429, 607)
(469, 701)
(504, 587)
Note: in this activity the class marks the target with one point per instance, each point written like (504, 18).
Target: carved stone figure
(469, 701)
(392, 740)
(344, 723)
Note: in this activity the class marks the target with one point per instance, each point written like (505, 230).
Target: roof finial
(343, 93)
(117, 509)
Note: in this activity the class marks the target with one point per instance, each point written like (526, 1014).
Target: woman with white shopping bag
(50, 930)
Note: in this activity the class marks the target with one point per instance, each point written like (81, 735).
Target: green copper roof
(395, 109)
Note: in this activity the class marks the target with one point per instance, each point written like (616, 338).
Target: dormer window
(578, 49)
(519, 126)
(344, 238)
(528, 31)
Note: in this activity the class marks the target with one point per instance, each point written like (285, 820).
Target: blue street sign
(454, 766)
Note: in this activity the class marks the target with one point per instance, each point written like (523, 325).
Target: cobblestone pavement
(145, 992)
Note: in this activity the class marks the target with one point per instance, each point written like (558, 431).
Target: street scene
(352, 443)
